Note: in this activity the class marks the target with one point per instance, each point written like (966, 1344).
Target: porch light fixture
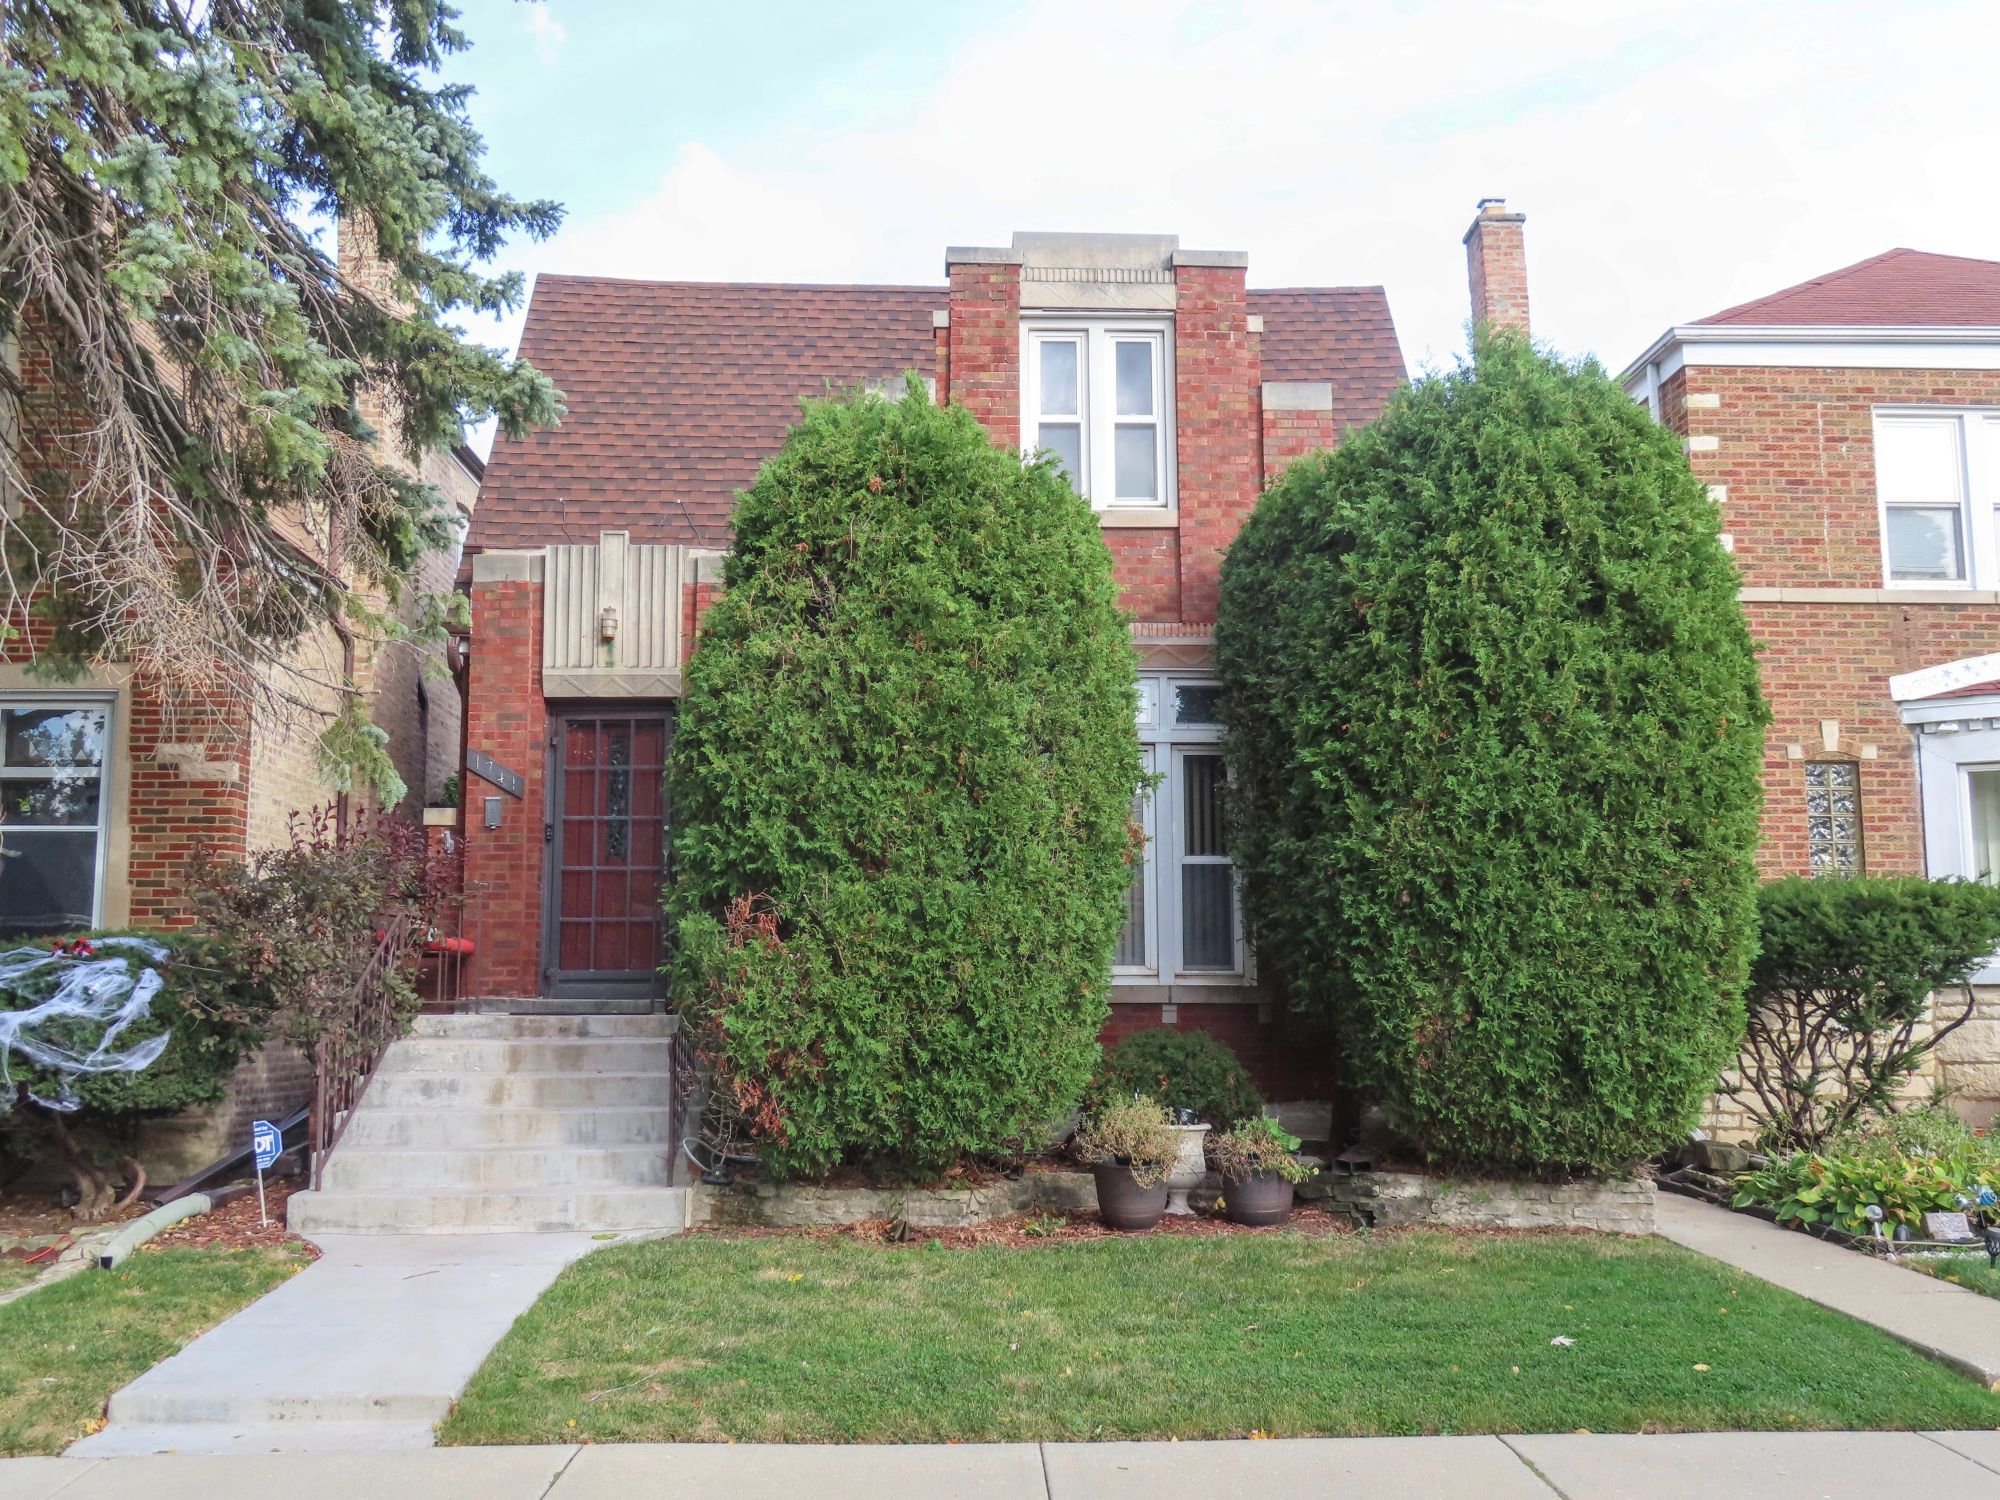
(607, 623)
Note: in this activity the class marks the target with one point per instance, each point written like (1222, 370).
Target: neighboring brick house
(1173, 393)
(1849, 429)
(108, 785)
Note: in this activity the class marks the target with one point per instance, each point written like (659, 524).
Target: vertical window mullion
(1982, 492)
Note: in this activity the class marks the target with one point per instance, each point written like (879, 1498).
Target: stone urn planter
(1190, 1162)
(1259, 1200)
(1122, 1203)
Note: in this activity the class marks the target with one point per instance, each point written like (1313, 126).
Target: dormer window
(1096, 395)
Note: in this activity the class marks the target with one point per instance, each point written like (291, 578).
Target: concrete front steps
(492, 1122)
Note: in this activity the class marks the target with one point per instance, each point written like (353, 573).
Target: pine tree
(210, 492)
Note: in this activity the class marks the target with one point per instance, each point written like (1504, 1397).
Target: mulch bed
(30, 1212)
(234, 1225)
(1025, 1231)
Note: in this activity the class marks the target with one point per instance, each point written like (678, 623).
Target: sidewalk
(1950, 1324)
(364, 1350)
(1757, 1466)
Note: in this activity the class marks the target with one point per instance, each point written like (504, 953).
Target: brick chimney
(1496, 263)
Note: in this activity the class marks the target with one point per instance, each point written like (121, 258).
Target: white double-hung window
(1183, 921)
(54, 807)
(1937, 483)
(1097, 394)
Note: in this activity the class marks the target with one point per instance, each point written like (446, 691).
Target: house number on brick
(489, 769)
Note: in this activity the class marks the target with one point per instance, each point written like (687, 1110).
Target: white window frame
(1166, 745)
(1097, 384)
(106, 780)
(1944, 763)
(1979, 493)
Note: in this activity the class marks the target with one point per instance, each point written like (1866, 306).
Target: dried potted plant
(1129, 1148)
(1258, 1170)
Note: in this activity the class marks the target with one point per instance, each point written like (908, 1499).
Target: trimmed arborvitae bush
(902, 784)
(1495, 733)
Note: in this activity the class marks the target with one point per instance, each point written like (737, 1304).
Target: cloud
(1673, 156)
(546, 30)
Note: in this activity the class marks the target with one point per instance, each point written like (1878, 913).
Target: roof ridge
(656, 283)
(1776, 302)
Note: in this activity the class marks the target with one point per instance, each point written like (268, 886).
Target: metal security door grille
(608, 857)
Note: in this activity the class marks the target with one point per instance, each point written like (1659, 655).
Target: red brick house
(1849, 429)
(1172, 390)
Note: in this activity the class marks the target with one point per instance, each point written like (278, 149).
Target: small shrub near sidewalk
(1841, 1016)
(65, 1348)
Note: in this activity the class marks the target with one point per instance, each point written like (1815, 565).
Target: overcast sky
(1673, 156)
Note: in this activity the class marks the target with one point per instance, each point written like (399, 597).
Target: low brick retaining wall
(1385, 1200)
(1396, 1200)
(765, 1205)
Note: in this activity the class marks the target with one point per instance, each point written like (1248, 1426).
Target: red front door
(607, 861)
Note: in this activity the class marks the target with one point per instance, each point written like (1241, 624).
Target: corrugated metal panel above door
(611, 620)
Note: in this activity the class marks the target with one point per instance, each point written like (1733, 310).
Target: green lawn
(786, 1339)
(65, 1348)
(17, 1271)
(1968, 1269)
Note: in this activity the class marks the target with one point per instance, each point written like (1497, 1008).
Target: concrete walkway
(364, 1350)
(1766, 1466)
(1950, 1324)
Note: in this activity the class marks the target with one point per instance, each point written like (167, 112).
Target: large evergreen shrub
(1495, 732)
(902, 782)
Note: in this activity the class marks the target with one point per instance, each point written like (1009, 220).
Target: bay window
(53, 813)
(1937, 482)
(1184, 920)
(1096, 395)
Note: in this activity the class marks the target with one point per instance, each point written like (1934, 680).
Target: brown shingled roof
(678, 390)
(1339, 333)
(1896, 289)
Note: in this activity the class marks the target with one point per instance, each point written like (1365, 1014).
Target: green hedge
(1181, 1069)
(1495, 734)
(902, 782)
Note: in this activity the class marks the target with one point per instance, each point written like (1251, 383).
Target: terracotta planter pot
(1259, 1200)
(1122, 1203)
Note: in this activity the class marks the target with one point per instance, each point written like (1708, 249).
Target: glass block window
(1833, 817)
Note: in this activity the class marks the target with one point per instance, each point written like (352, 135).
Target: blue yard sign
(265, 1142)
